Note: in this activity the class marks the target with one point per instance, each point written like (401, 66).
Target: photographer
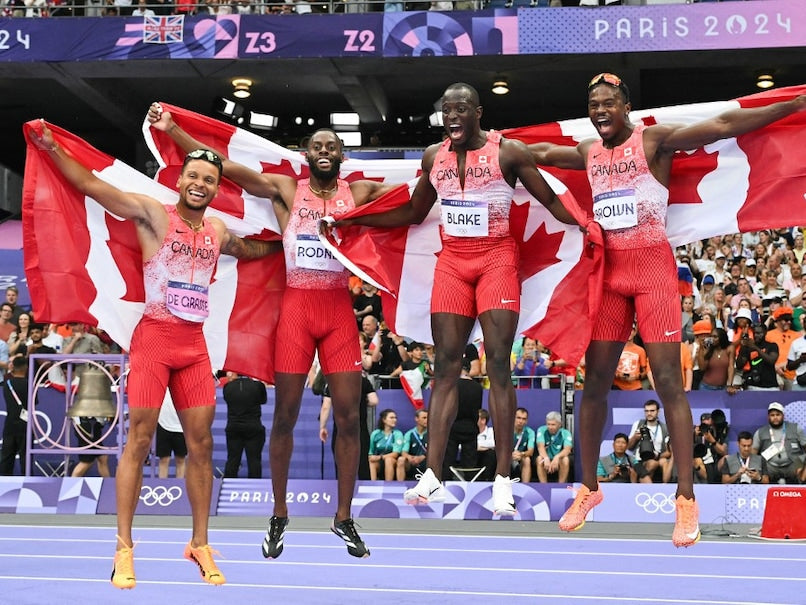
(710, 445)
(617, 467)
(530, 363)
(744, 467)
(650, 441)
(755, 360)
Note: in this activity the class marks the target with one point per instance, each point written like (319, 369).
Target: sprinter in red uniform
(473, 172)
(628, 170)
(180, 248)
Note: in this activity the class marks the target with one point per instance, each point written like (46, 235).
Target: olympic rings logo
(160, 495)
(654, 503)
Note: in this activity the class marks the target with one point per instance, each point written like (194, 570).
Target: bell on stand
(94, 396)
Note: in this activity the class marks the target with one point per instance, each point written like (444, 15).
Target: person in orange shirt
(632, 366)
(783, 335)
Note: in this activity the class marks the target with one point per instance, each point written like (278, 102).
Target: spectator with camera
(756, 359)
(617, 467)
(650, 441)
(710, 445)
(745, 466)
(716, 358)
(782, 445)
(530, 363)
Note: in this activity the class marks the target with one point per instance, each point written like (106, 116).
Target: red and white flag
(750, 182)
(560, 270)
(85, 264)
(412, 382)
(559, 273)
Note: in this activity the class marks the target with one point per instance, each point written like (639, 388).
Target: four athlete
(473, 173)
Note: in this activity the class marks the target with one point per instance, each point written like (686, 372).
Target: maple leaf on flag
(85, 264)
(539, 250)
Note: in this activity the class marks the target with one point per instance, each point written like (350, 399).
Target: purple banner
(77, 496)
(335, 35)
(702, 26)
(157, 497)
(254, 497)
(655, 502)
(429, 33)
(634, 503)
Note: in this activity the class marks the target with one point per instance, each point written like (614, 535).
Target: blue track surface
(68, 564)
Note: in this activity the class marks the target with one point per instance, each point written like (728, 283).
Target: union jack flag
(163, 29)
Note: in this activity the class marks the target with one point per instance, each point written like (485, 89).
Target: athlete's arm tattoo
(248, 248)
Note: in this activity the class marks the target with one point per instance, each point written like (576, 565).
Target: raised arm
(732, 123)
(279, 189)
(515, 157)
(147, 213)
(412, 212)
(559, 156)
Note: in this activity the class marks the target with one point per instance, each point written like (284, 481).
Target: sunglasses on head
(607, 78)
(205, 154)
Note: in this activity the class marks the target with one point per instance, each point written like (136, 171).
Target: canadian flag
(92, 273)
(754, 181)
(85, 264)
(560, 270)
(750, 182)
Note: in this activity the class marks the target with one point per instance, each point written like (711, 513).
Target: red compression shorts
(640, 283)
(169, 355)
(320, 320)
(476, 276)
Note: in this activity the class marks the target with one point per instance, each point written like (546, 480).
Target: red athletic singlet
(477, 268)
(317, 311)
(481, 209)
(177, 277)
(628, 202)
(168, 347)
(309, 265)
(630, 205)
